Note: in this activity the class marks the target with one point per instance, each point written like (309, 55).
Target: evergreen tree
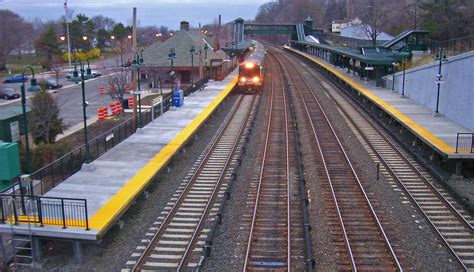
(48, 45)
(45, 123)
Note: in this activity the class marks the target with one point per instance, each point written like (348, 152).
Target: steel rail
(172, 212)
(254, 215)
(214, 192)
(262, 174)
(364, 115)
(379, 225)
(398, 179)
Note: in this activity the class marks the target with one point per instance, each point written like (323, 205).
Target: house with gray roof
(185, 67)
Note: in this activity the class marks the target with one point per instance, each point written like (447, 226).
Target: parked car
(8, 93)
(51, 84)
(95, 73)
(16, 78)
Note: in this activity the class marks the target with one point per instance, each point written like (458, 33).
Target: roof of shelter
(357, 31)
(156, 55)
(368, 55)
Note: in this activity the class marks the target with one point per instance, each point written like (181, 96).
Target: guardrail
(38, 210)
(465, 142)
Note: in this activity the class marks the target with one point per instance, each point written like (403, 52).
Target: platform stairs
(22, 244)
(300, 32)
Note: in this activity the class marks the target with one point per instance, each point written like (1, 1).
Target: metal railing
(465, 142)
(55, 211)
(454, 46)
(347, 41)
(56, 172)
(198, 85)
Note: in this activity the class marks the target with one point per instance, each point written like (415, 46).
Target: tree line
(19, 36)
(445, 19)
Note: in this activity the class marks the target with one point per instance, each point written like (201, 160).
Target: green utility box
(9, 161)
(11, 124)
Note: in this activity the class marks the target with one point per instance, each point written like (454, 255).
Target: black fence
(56, 172)
(198, 85)
(38, 210)
(465, 142)
(454, 46)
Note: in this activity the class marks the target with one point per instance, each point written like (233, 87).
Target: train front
(250, 77)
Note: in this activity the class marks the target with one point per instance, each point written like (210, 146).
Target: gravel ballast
(415, 243)
(119, 243)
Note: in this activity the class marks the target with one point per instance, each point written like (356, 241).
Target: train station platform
(441, 134)
(112, 183)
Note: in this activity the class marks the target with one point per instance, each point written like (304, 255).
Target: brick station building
(157, 65)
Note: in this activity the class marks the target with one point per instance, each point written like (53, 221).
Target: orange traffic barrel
(102, 113)
(113, 109)
(118, 107)
(130, 102)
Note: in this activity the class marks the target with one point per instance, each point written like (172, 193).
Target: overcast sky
(150, 12)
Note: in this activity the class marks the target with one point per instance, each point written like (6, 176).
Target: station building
(187, 66)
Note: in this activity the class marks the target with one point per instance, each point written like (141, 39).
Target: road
(69, 98)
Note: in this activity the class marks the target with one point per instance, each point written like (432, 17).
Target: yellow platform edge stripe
(58, 222)
(119, 203)
(414, 126)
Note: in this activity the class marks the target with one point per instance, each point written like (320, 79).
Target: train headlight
(256, 79)
(243, 79)
(249, 65)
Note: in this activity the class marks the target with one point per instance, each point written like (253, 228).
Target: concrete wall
(456, 99)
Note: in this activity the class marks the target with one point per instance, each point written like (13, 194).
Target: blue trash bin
(178, 98)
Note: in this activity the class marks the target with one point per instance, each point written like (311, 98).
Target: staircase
(23, 251)
(21, 243)
(300, 32)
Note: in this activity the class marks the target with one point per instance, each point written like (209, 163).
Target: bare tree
(118, 82)
(375, 18)
(102, 22)
(57, 69)
(11, 26)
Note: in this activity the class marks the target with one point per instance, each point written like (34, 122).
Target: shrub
(91, 54)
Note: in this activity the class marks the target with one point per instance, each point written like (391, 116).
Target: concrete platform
(438, 132)
(121, 174)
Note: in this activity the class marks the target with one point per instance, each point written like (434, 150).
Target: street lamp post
(441, 57)
(403, 84)
(136, 64)
(205, 57)
(393, 76)
(192, 52)
(84, 102)
(33, 88)
(171, 57)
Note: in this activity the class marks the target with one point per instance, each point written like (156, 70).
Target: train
(251, 72)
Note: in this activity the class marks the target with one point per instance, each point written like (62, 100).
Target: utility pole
(67, 33)
(134, 50)
(200, 52)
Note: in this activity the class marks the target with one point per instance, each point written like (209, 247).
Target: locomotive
(251, 72)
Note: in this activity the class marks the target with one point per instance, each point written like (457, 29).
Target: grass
(17, 63)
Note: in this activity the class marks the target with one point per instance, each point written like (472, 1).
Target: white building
(338, 25)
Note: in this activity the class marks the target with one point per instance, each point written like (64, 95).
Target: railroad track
(366, 244)
(275, 228)
(178, 236)
(448, 218)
